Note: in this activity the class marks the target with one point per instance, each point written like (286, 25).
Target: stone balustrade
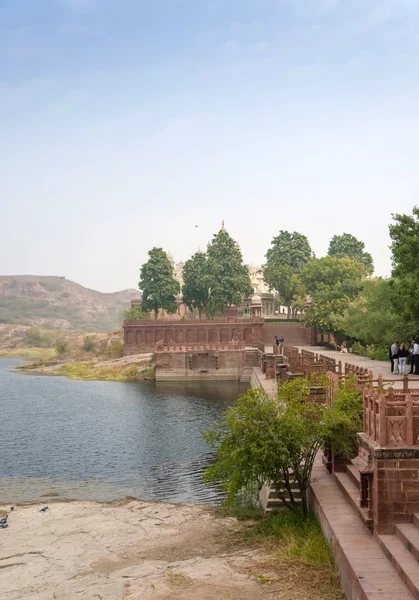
(199, 347)
(391, 419)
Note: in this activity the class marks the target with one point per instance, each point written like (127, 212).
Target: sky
(126, 123)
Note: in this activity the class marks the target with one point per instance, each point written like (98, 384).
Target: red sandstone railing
(199, 346)
(159, 345)
(307, 362)
(218, 320)
(391, 419)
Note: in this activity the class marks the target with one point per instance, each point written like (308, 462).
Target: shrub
(61, 346)
(89, 344)
(36, 338)
(264, 439)
(115, 349)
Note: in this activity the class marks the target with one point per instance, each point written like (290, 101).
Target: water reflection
(101, 440)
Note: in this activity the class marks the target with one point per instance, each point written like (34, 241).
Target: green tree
(331, 283)
(135, 313)
(157, 284)
(371, 317)
(227, 278)
(288, 254)
(404, 234)
(348, 246)
(195, 292)
(264, 440)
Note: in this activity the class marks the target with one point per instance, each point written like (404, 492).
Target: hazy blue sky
(125, 123)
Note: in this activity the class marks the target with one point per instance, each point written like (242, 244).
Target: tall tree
(227, 277)
(195, 292)
(288, 254)
(371, 318)
(404, 234)
(347, 245)
(332, 283)
(157, 284)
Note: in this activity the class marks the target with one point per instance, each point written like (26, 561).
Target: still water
(104, 441)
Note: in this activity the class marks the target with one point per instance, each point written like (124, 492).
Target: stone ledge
(365, 571)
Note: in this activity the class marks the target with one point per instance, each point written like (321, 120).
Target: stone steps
(402, 550)
(367, 573)
(402, 560)
(354, 474)
(408, 533)
(246, 375)
(351, 491)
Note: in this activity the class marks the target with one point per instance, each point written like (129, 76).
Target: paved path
(376, 366)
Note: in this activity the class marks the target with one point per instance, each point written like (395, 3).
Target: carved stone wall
(142, 336)
(388, 456)
(211, 365)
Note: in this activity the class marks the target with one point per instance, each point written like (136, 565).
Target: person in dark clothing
(281, 344)
(276, 346)
(412, 357)
(416, 358)
(402, 356)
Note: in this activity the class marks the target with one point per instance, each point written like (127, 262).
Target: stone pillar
(270, 366)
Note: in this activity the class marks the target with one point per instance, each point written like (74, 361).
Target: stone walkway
(365, 570)
(376, 366)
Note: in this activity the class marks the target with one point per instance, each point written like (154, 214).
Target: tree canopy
(372, 320)
(404, 234)
(227, 278)
(195, 291)
(135, 313)
(348, 246)
(157, 284)
(332, 283)
(288, 254)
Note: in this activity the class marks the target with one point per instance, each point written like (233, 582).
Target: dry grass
(42, 354)
(296, 556)
(177, 579)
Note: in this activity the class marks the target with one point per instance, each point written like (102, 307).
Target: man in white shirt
(394, 356)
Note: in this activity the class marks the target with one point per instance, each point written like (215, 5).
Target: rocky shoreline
(123, 550)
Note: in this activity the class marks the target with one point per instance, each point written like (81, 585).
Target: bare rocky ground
(128, 550)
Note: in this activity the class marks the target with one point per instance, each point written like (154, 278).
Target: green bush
(115, 349)
(89, 344)
(61, 346)
(36, 338)
(276, 439)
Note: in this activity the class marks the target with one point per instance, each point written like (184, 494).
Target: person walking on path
(394, 361)
(416, 358)
(412, 357)
(402, 356)
(281, 344)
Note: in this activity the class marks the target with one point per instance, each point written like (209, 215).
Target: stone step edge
(354, 474)
(402, 561)
(404, 532)
(323, 486)
(351, 491)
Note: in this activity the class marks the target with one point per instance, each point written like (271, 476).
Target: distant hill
(57, 303)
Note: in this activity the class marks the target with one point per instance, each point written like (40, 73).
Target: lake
(103, 441)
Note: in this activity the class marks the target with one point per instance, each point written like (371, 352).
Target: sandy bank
(124, 551)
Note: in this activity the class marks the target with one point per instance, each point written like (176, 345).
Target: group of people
(399, 353)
